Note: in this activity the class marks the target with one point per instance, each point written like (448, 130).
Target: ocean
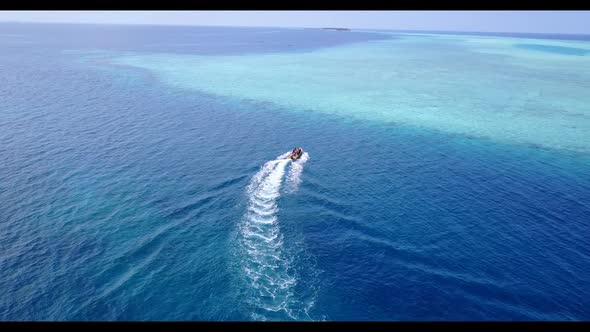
(446, 176)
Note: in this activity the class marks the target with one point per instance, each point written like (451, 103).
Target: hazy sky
(495, 21)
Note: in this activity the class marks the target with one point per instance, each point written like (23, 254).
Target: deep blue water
(555, 36)
(554, 49)
(121, 197)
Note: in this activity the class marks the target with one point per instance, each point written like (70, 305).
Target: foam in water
(294, 175)
(266, 266)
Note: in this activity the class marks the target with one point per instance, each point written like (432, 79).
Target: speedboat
(295, 154)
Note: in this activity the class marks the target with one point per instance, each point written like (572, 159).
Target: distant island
(337, 29)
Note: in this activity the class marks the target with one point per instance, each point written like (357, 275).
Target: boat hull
(296, 156)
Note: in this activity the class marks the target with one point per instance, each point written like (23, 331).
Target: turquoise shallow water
(446, 176)
(474, 87)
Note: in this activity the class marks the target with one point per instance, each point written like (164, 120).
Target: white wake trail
(294, 176)
(266, 268)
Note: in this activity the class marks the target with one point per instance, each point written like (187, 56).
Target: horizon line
(292, 27)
